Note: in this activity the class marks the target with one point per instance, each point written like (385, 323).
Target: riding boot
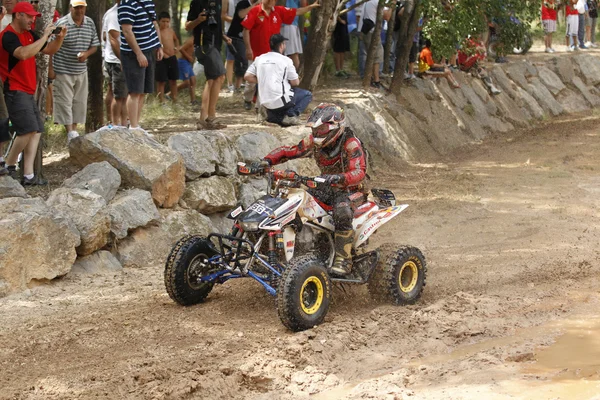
(490, 85)
(342, 264)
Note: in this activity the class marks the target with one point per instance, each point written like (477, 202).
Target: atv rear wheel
(186, 263)
(400, 275)
(304, 293)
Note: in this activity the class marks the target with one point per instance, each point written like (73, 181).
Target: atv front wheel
(304, 293)
(400, 275)
(186, 263)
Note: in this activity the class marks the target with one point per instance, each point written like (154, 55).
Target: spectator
(19, 76)
(112, 63)
(8, 16)
(69, 62)
(470, 59)
(582, 11)
(204, 18)
(236, 55)
(263, 21)
(227, 12)
(592, 18)
(293, 48)
(341, 45)
(572, 25)
(275, 75)
(167, 69)
(549, 22)
(428, 67)
(4, 134)
(186, 69)
(366, 27)
(140, 49)
(413, 56)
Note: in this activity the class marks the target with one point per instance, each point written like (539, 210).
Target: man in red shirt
(263, 21)
(18, 73)
(572, 25)
(549, 22)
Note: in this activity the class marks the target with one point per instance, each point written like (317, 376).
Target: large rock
(88, 212)
(96, 263)
(101, 178)
(589, 67)
(530, 103)
(9, 187)
(37, 243)
(551, 80)
(225, 152)
(511, 111)
(252, 190)
(150, 246)
(537, 89)
(564, 68)
(501, 79)
(519, 72)
(210, 195)
(131, 209)
(198, 154)
(142, 162)
(585, 91)
(254, 146)
(572, 102)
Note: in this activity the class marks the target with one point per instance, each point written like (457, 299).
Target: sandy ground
(510, 231)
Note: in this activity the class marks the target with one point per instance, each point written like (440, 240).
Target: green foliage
(449, 22)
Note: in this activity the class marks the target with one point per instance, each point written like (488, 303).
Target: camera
(57, 30)
(211, 13)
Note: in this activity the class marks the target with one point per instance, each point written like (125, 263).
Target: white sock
(29, 176)
(1, 159)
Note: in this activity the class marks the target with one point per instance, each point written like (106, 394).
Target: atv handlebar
(278, 175)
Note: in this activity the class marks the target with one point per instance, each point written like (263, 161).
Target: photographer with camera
(204, 19)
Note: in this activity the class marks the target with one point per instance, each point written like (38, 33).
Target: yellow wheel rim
(311, 295)
(407, 278)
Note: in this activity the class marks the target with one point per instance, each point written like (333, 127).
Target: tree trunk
(408, 28)
(375, 43)
(46, 8)
(161, 6)
(322, 24)
(175, 19)
(95, 115)
(389, 38)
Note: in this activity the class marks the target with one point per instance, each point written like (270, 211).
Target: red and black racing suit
(345, 158)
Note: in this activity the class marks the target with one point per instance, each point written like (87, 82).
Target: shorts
(379, 52)
(240, 64)
(549, 25)
(167, 69)
(139, 80)
(414, 51)
(117, 80)
(436, 69)
(4, 134)
(24, 112)
(572, 25)
(211, 60)
(588, 20)
(294, 42)
(186, 71)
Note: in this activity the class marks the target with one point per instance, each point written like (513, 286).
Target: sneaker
(291, 121)
(195, 103)
(209, 125)
(574, 48)
(583, 47)
(35, 181)
(107, 127)
(247, 105)
(72, 135)
(376, 85)
(339, 74)
(588, 44)
(12, 172)
(139, 131)
(593, 45)
(231, 89)
(549, 50)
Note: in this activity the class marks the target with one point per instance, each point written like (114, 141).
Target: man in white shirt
(117, 87)
(368, 11)
(275, 75)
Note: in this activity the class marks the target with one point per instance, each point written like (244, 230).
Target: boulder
(564, 68)
(198, 154)
(9, 187)
(225, 152)
(551, 80)
(101, 178)
(537, 89)
(254, 146)
(38, 243)
(221, 223)
(509, 109)
(131, 209)
(252, 190)
(142, 162)
(502, 80)
(530, 103)
(150, 246)
(88, 212)
(572, 102)
(210, 195)
(97, 263)
(586, 92)
(589, 67)
(519, 72)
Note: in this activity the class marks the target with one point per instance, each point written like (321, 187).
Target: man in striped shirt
(140, 49)
(70, 66)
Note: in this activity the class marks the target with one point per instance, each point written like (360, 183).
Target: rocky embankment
(134, 197)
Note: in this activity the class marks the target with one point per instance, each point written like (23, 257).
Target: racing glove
(332, 179)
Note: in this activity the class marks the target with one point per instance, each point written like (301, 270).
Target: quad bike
(285, 241)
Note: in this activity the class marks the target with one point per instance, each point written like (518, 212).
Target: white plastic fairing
(284, 214)
(365, 230)
(289, 242)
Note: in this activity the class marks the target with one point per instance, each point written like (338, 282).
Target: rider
(342, 161)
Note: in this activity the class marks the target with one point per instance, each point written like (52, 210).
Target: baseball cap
(77, 3)
(26, 8)
(276, 40)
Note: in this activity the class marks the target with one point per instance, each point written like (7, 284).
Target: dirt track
(511, 235)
